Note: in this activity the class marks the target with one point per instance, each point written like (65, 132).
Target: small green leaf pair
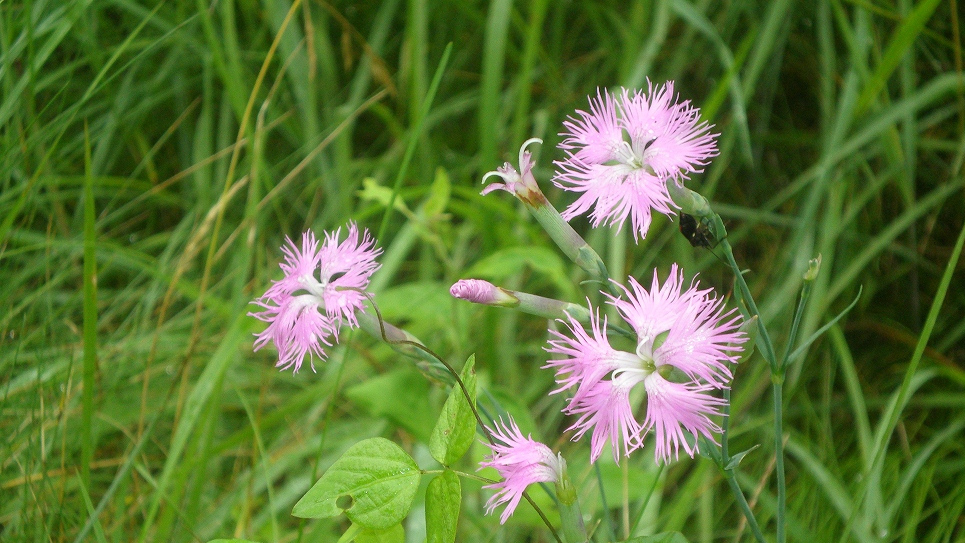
(375, 481)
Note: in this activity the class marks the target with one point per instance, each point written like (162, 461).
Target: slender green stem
(644, 499)
(329, 410)
(792, 337)
(725, 429)
(778, 395)
(90, 320)
(607, 521)
(526, 495)
(777, 380)
(809, 277)
(467, 475)
(742, 503)
(404, 343)
(767, 348)
(730, 473)
(465, 393)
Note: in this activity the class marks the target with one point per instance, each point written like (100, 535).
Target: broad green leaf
(232, 541)
(456, 427)
(443, 498)
(439, 193)
(373, 483)
(392, 534)
(374, 192)
(665, 537)
(401, 395)
(430, 313)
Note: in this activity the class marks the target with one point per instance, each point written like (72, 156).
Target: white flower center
(625, 155)
(313, 287)
(633, 366)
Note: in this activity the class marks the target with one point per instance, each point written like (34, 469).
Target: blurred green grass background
(153, 156)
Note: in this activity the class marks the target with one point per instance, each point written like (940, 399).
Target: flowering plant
(664, 371)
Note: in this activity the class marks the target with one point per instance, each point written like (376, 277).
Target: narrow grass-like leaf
(493, 62)
(373, 483)
(263, 456)
(665, 537)
(913, 378)
(858, 262)
(98, 529)
(831, 487)
(859, 407)
(736, 459)
(414, 135)
(949, 435)
(813, 337)
(904, 38)
(75, 108)
(204, 385)
(524, 77)
(698, 20)
(90, 319)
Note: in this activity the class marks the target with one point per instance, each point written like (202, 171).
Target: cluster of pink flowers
(321, 289)
(621, 155)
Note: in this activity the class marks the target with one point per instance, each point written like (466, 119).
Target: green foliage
(401, 395)
(666, 537)
(443, 503)
(512, 261)
(154, 155)
(392, 534)
(373, 483)
(456, 428)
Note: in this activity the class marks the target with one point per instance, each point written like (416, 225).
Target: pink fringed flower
(520, 461)
(306, 307)
(687, 330)
(624, 151)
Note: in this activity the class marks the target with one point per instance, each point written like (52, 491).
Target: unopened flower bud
(478, 291)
